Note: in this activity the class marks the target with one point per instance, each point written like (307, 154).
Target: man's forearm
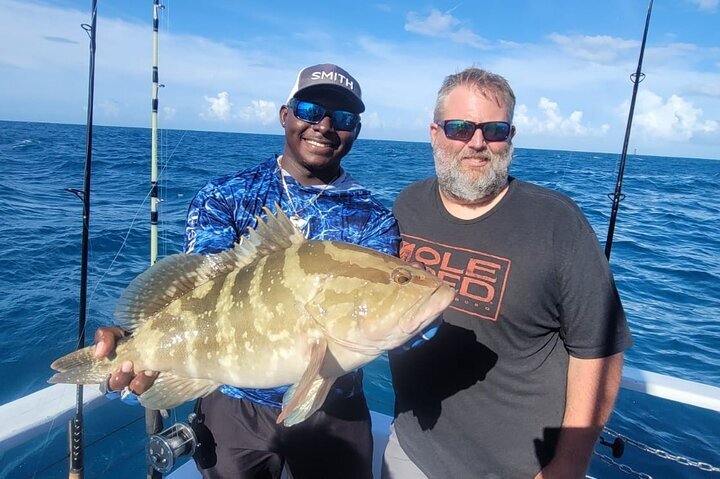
(592, 387)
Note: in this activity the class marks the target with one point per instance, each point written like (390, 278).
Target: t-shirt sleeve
(592, 317)
(210, 225)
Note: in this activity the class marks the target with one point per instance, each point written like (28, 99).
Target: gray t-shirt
(485, 397)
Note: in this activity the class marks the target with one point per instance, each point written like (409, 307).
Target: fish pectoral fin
(302, 408)
(170, 391)
(307, 395)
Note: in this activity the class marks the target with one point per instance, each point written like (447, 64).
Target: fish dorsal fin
(165, 281)
(276, 233)
(178, 274)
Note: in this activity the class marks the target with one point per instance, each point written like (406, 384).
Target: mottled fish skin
(256, 320)
(251, 328)
(244, 328)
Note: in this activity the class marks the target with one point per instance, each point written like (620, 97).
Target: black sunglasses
(464, 130)
(314, 113)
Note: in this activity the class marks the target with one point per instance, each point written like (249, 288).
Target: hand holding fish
(277, 309)
(105, 342)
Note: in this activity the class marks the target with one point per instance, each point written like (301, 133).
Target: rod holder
(617, 446)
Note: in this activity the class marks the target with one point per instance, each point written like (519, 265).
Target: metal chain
(665, 455)
(623, 467)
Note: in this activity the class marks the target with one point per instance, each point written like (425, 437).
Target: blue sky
(228, 65)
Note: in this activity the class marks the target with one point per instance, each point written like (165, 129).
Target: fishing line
(76, 440)
(118, 429)
(636, 78)
(46, 441)
(164, 182)
(132, 223)
(75, 426)
(52, 423)
(163, 178)
(44, 448)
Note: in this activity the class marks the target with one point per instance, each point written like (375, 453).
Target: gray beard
(463, 188)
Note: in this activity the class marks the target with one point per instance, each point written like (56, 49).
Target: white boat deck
(35, 414)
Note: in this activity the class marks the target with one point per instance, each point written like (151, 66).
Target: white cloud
(436, 24)
(585, 76)
(673, 120)
(169, 112)
(597, 48)
(57, 47)
(190, 66)
(710, 87)
(219, 107)
(372, 120)
(260, 111)
(109, 108)
(674, 51)
(551, 122)
(706, 5)
(510, 44)
(380, 50)
(443, 25)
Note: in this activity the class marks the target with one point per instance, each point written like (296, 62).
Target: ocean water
(666, 260)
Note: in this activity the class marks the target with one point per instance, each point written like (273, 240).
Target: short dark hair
(489, 84)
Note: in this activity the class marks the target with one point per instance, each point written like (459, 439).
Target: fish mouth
(425, 312)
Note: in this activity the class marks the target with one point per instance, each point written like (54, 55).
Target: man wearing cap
(321, 120)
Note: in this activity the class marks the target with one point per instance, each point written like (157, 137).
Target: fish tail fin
(81, 367)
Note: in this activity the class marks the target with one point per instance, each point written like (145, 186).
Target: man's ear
(283, 115)
(357, 130)
(434, 128)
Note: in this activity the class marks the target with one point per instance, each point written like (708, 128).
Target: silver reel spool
(164, 448)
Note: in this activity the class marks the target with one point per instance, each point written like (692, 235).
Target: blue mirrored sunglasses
(314, 113)
(464, 130)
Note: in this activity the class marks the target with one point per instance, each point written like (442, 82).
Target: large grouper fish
(277, 309)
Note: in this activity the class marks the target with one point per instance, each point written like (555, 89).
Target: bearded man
(523, 372)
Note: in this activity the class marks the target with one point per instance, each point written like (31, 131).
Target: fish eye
(401, 276)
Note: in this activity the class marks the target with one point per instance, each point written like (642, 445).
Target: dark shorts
(240, 440)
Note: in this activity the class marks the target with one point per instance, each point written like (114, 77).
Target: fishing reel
(164, 448)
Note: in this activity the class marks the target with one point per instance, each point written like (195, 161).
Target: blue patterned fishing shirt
(223, 209)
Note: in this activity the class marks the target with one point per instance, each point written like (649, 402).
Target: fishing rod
(618, 445)
(154, 199)
(153, 418)
(75, 427)
(164, 447)
(636, 78)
